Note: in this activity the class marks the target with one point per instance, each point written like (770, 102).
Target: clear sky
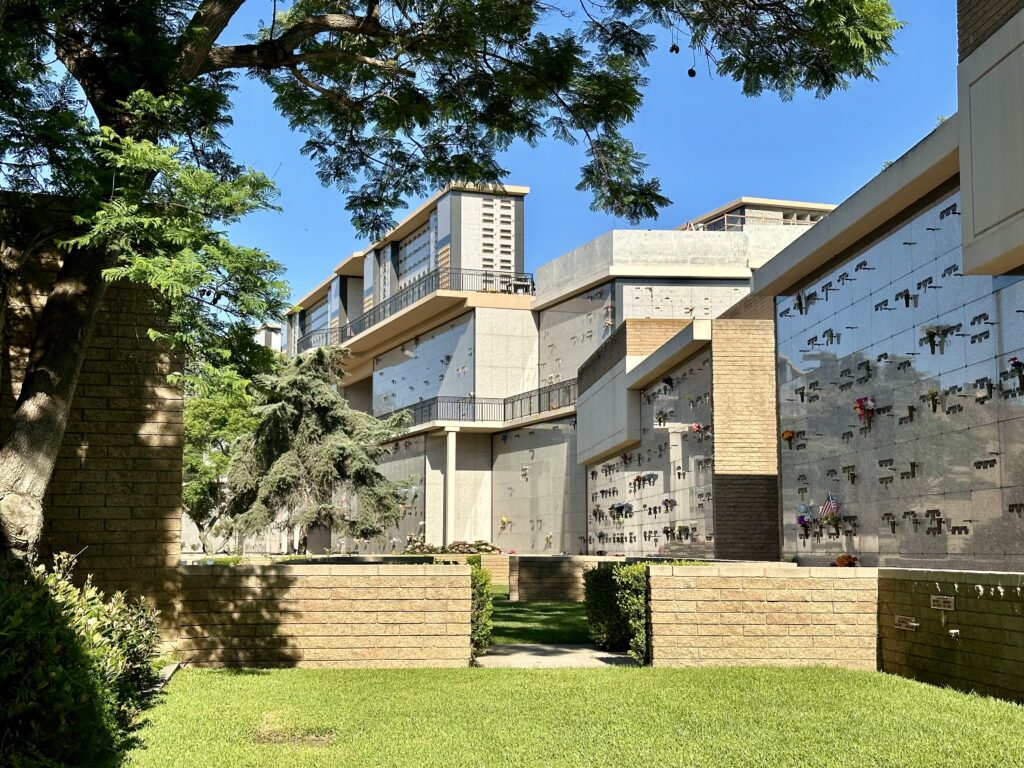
(706, 142)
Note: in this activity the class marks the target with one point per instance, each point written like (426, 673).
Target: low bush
(74, 666)
(605, 622)
(455, 548)
(616, 600)
(482, 610)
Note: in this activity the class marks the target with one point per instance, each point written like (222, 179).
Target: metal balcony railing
(473, 280)
(549, 398)
(537, 401)
(737, 222)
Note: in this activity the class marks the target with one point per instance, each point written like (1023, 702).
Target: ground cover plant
(545, 622)
(727, 718)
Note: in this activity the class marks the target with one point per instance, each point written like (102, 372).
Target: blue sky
(706, 142)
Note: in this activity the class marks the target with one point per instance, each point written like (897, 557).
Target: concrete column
(449, 484)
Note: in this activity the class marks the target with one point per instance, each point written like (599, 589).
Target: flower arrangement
(505, 521)
(933, 399)
(1017, 366)
(846, 561)
(865, 408)
(934, 335)
(805, 520)
(788, 435)
(696, 428)
(831, 518)
(669, 503)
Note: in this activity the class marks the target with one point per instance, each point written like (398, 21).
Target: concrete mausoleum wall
(338, 616)
(762, 613)
(963, 629)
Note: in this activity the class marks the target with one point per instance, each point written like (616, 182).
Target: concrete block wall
(977, 21)
(978, 645)
(115, 495)
(337, 616)
(774, 614)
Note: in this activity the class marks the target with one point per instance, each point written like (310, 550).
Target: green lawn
(539, 622)
(616, 717)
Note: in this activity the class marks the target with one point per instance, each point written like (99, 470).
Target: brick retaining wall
(556, 577)
(741, 615)
(986, 651)
(325, 616)
(497, 565)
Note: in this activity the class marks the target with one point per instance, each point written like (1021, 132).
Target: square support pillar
(449, 483)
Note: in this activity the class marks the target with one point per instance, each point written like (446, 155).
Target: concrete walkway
(551, 657)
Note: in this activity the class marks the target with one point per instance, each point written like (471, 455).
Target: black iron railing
(456, 409)
(537, 401)
(549, 398)
(473, 280)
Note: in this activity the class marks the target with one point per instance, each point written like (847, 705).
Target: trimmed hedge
(616, 599)
(481, 613)
(74, 666)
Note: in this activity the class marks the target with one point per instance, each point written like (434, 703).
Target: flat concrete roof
(760, 202)
(922, 169)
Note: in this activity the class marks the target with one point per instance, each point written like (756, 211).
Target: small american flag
(829, 507)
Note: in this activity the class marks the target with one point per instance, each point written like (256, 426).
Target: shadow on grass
(539, 623)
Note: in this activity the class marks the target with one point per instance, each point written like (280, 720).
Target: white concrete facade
(498, 450)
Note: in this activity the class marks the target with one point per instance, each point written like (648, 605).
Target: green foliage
(163, 221)
(616, 599)
(74, 666)
(218, 412)
(631, 597)
(482, 608)
(312, 458)
(605, 622)
(407, 99)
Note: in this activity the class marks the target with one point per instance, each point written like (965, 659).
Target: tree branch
(280, 52)
(335, 96)
(260, 56)
(202, 32)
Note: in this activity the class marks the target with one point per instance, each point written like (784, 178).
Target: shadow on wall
(115, 492)
(243, 617)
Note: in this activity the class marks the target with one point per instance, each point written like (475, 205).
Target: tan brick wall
(115, 495)
(745, 481)
(988, 615)
(497, 565)
(556, 577)
(774, 614)
(978, 20)
(335, 616)
(644, 336)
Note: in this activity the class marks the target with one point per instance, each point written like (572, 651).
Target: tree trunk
(37, 429)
